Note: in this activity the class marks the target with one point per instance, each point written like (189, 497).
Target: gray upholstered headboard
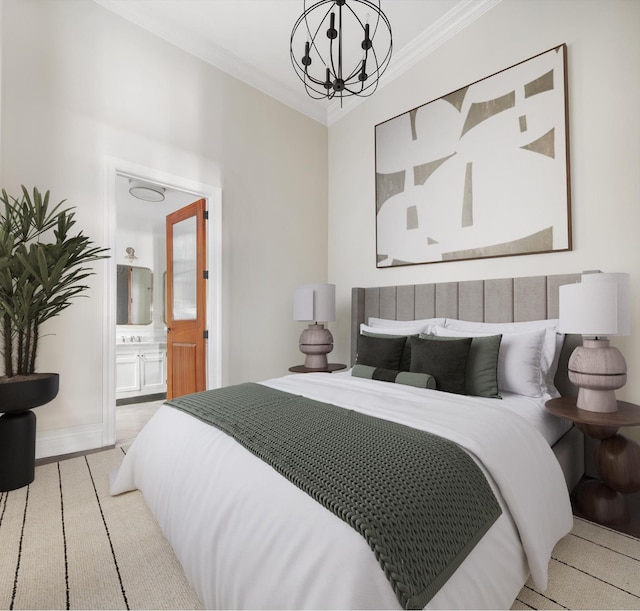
(500, 300)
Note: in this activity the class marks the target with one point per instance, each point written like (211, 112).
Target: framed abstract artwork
(480, 172)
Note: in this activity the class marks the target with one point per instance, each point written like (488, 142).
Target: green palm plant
(42, 268)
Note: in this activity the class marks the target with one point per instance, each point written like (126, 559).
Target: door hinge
(205, 274)
(205, 334)
(205, 214)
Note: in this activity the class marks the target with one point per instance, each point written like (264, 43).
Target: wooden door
(186, 300)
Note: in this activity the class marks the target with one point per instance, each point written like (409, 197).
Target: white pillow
(553, 369)
(403, 330)
(498, 327)
(552, 345)
(388, 322)
(519, 359)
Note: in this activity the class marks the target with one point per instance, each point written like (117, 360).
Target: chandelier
(332, 47)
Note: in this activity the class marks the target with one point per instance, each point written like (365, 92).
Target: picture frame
(481, 172)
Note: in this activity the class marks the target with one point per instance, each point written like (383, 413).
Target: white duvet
(249, 539)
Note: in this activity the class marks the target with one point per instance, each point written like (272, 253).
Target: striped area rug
(591, 568)
(65, 543)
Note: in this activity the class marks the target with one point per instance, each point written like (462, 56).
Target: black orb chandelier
(341, 47)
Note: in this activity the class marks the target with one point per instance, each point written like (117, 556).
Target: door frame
(213, 197)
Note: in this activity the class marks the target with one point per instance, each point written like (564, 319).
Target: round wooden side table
(331, 367)
(617, 459)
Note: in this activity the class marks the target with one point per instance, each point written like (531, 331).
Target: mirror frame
(125, 300)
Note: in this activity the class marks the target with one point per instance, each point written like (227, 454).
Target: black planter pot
(18, 426)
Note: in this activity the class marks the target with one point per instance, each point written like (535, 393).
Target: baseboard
(159, 396)
(59, 442)
(50, 459)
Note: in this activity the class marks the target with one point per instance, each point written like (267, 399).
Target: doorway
(135, 350)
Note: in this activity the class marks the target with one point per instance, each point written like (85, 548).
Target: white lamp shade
(623, 294)
(597, 306)
(315, 302)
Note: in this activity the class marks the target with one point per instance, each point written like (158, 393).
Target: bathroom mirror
(134, 295)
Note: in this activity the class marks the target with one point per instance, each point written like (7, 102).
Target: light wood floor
(131, 418)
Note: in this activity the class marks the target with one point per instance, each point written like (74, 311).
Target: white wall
(604, 93)
(81, 85)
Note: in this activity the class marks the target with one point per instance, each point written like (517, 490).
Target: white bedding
(533, 411)
(248, 538)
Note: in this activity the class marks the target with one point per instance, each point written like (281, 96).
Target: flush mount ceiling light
(146, 191)
(341, 47)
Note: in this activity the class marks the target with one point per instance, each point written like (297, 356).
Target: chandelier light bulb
(332, 33)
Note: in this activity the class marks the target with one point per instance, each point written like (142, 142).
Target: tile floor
(131, 418)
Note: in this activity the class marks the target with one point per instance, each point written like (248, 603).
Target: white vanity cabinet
(141, 369)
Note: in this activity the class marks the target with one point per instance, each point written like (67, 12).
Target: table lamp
(596, 307)
(315, 303)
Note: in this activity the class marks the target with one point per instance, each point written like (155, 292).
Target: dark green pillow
(405, 359)
(384, 352)
(481, 379)
(445, 361)
(420, 380)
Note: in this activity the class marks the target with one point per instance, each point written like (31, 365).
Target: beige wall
(80, 85)
(604, 94)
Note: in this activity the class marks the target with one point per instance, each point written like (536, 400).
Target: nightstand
(617, 459)
(331, 367)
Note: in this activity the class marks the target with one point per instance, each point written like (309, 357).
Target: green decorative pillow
(420, 380)
(384, 352)
(445, 361)
(405, 359)
(481, 379)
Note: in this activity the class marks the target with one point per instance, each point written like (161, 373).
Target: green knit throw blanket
(419, 500)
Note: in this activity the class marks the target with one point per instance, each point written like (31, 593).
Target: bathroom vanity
(141, 368)
(141, 346)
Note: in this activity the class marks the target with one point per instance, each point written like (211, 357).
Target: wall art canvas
(480, 172)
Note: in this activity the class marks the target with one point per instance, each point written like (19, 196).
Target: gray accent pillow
(384, 352)
(420, 380)
(481, 379)
(445, 361)
(405, 359)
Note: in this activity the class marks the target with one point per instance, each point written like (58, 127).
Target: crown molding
(442, 30)
(223, 60)
(463, 14)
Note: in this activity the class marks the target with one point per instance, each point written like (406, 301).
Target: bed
(247, 537)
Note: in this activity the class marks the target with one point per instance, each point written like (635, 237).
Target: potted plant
(42, 268)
